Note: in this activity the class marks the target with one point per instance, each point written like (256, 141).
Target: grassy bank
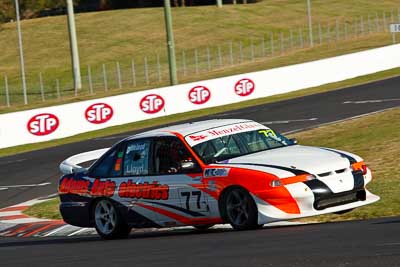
(375, 138)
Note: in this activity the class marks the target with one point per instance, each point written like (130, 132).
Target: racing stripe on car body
(189, 212)
(343, 155)
(292, 170)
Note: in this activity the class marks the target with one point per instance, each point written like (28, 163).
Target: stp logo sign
(244, 87)
(99, 113)
(199, 95)
(43, 124)
(152, 104)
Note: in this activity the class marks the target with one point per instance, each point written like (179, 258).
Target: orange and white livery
(204, 173)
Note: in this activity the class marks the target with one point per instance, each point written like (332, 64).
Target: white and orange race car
(200, 174)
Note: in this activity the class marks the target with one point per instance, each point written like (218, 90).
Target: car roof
(188, 128)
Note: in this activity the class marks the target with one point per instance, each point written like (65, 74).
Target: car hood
(294, 159)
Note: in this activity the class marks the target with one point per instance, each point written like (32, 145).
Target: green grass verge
(199, 113)
(48, 210)
(107, 37)
(376, 138)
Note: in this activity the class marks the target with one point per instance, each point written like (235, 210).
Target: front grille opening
(341, 170)
(324, 174)
(340, 199)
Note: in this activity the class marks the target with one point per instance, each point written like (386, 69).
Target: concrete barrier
(56, 122)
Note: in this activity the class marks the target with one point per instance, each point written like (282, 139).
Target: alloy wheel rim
(105, 217)
(238, 207)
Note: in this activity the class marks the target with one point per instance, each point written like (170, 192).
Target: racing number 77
(192, 193)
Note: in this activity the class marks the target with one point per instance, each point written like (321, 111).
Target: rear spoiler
(71, 164)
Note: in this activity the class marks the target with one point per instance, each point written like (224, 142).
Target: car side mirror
(294, 141)
(188, 165)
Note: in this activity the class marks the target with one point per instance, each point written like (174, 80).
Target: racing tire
(239, 209)
(108, 221)
(203, 227)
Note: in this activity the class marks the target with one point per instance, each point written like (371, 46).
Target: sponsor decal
(152, 104)
(199, 95)
(43, 124)
(83, 186)
(99, 113)
(268, 133)
(154, 191)
(244, 87)
(103, 188)
(72, 186)
(222, 131)
(216, 172)
(233, 129)
(197, 137)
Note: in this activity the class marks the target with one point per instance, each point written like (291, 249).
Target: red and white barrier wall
(55, 122)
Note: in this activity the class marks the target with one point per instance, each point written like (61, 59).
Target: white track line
(288, 121)
(337, 121)
(372, 101)
(79, 231)
(5, 187)
(57, 230)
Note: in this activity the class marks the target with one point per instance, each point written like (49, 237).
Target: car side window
(136, 160)
(108, 166)
(170, 156)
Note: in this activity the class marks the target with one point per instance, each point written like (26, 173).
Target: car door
(174, 166)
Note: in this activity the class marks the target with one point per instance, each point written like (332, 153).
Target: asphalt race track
(358, 243)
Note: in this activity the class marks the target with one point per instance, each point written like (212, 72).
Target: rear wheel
(109, 223)
(239, 209)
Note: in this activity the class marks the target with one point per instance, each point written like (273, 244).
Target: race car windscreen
(236, 145)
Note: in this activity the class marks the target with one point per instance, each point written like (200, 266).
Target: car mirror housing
(188, 165)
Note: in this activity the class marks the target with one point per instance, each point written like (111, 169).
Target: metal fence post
(7, 92)
(231, 52)
(369, 24)
(301, 38)
(251, 50)
(362, 25)
(384, 22)
(337, 30)
(219, 56)
(105, 82)
(183, 62)
(282, 45)
(320, 33)
(41, 86)
(90, 80)
(263, 46)
(119, 79)
(58, 89)
(133, 69)
(240, 52)
(196, 61)
(146, 71)
(159, 68)
(208, 59)
(271, 36)
(291, 39)
(377, 22)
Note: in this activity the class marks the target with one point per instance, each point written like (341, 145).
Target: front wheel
(109, 223)
(239, 209)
